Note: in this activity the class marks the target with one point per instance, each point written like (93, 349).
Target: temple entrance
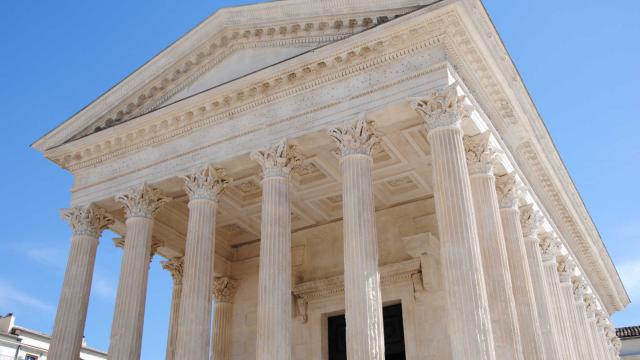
(393, 334)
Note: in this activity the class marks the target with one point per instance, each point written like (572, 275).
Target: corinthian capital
(579, 288)
(142, 202)
(549, 246)
(88, 221)
(206, 183)
(590, 304)
(481, 156)
(530, 220)
(359, 138)
(224, 289)
(443, 108)
(566, 268)
(601, 319)
(279, 159)
(616, 343)
(175, 267)
(508, 190)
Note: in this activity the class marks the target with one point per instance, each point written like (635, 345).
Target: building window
(31, 357)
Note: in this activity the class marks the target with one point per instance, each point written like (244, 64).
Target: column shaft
(541, 294)
(528, 320)
(363, 301)
(580, 341)
(468, 309)
(504, 320)
(126, 329)
(561, 316)
(274, 288)
(68, 330)
(175, 267)
(221, 337)
(585, 330)
(195, 302)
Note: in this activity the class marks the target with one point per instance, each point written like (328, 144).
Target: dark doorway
(393, 335)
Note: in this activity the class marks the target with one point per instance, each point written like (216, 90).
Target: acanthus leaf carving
(549, 246)
(442, 108)
(87, 221)
(480, 154)
(509, 191)
(279, 159)
(144, 202)
(206, 183)
(530, 220)
(358, 138)
(175, 266)
(566, 268)
(579, 288)
(224, 289)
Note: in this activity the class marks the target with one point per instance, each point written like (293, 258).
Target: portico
(401, 162)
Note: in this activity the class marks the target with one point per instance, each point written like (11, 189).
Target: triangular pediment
(230, 44)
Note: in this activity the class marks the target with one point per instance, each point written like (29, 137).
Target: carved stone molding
(175, 266)
(142, 202)
(509, 191)
(118, 242)
(278, 160)
(549, 246)
(566, 268)
(391, 274)
(87, 221)
(443, 108)
(531, 220)
(481, 156)
(358, 138)
(590, 304)
(224, 289)
(206, 183)
(579, 288)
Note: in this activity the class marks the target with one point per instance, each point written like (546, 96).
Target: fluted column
(87, 224)
(175, 267)
(502, 308)
(549, 250)
(566, 268)
(274, 288)
(602, 323)
(224, 289)
(194, 330)
(363, 302)
(590, 309)
(579, 291)
(126, 329)
(468, 314)
(531, 221)
(508, 194)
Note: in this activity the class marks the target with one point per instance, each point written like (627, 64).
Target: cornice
(136, 93)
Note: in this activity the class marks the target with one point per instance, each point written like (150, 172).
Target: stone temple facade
(301, 160)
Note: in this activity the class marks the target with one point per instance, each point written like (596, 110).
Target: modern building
(342, 178)
(19, 343)
(630, 337)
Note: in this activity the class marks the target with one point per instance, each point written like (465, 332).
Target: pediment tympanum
(231, 43)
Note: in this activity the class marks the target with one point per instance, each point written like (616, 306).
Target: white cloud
(45, 255)
(103, 286)
(630, 274)
(12, 299)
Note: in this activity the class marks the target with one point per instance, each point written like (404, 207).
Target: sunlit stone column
(550, 249)
(194, 330)
(531, 221)
(274, 288)
(579, 291)
(363, 302)
(613, 349)
(468, 314)
(224, 289)
(87, 224)
(502, 308)
(140, 205)
(602, 323)
(175, 267)
(590, 309)
(566, 268)
(508, 194)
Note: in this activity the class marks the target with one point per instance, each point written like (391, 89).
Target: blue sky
(579, 59)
